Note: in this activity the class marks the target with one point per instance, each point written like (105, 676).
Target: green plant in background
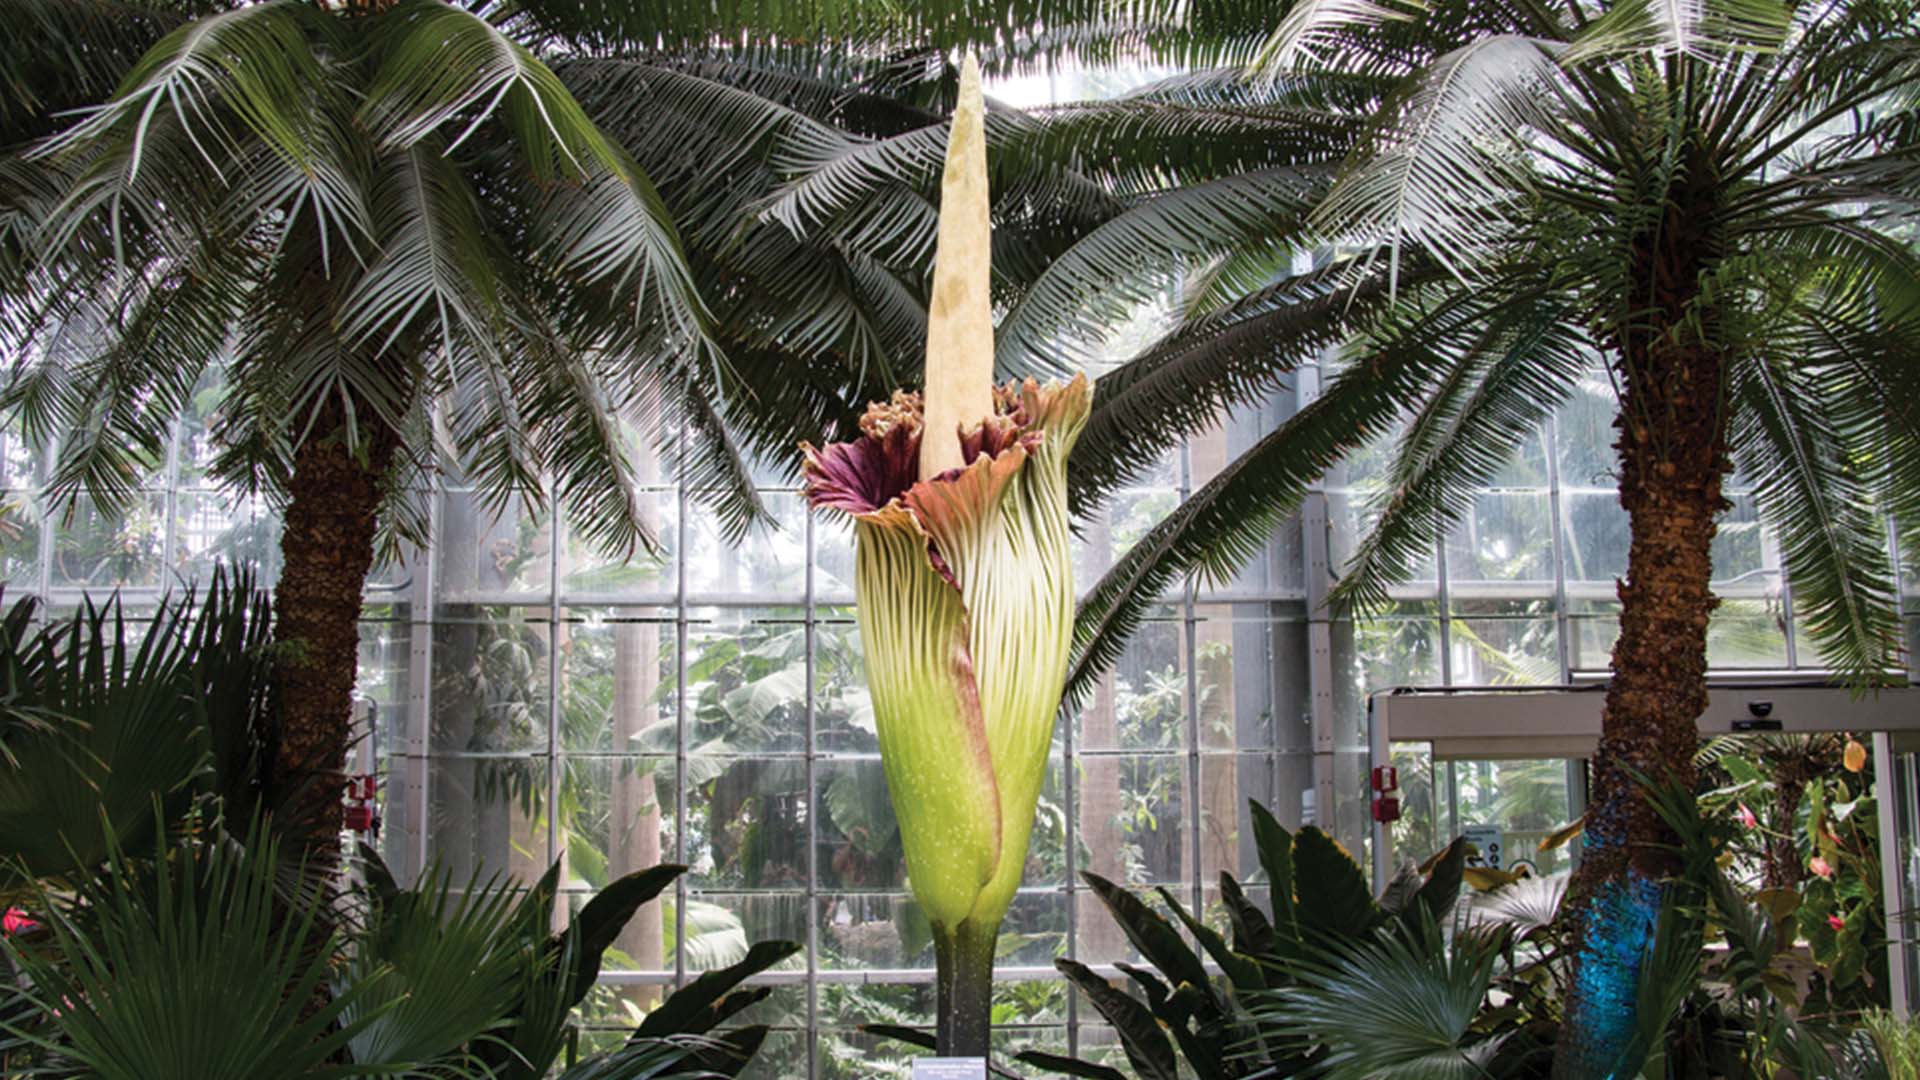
(965, 582)
(1320, 911)
(400, 229)
(222, 953)
(1808, 850)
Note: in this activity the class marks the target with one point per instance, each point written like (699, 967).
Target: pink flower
(1821, 866)
(1836, 922)
(15, 921)
(1747, 818)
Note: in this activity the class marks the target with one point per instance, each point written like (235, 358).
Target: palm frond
(574, 411)
(1234, 357)
(714, 468)
(1399, 1007)
(443, 65)
(190, 964)
(438, 271)
(1230, 519)
(437, 968)
(1062, 317)
(1309, 29)
(1696, 28)
(59, 55)
(1441, 172)
(616, 233)
(1131, 27)
(255, 65)
(1525, 365)
(1835, 547)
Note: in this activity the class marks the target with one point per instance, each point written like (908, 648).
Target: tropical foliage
(182, 939)
(1325, 981)
(537, 245)
(1467, 211)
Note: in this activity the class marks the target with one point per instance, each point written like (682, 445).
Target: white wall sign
(1491, 842)
(928, 1068)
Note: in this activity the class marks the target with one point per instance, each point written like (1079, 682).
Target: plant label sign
(1490, 842)
(934, 1068)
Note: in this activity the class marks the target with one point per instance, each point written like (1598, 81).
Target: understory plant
(1320, 912)
(161, 923)
(1426, 982)
(964, 575)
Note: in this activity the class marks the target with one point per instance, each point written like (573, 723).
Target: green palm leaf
(1398, 1007)
(1834, 544)
(1063, 315)
(442, 65)
(1524, 366)
(1229, 520)
(188, 966)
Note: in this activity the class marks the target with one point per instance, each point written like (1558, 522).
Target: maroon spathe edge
(871, 472)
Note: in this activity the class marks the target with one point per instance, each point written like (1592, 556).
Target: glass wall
(704, 704)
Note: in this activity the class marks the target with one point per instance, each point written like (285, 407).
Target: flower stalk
(964, 577)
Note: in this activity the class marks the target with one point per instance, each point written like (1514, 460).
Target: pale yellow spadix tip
(960, 316)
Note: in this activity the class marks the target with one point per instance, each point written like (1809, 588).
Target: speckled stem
(963, 962)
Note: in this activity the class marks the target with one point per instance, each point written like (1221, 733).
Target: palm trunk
(327, 549)
(1673, 458)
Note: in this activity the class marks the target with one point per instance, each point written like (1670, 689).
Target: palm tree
(412, 236)
(1498, 197)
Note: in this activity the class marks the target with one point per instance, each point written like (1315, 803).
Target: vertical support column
(1380, 753)
(809, 636)
(1069, 788)
(419, 697)
(1894, 803)
(680, 643)
(1190, 627)
(170, 501)
(48, 531)
(1562, 626)
(1316, 537)
(555, 540)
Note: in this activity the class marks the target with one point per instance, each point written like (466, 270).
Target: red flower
(1821, 866)
(1836, 922)
(1747, 818)
(15, 921)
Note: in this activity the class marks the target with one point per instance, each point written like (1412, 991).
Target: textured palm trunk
(326, 550)
(1673, 457)
(1791, 771)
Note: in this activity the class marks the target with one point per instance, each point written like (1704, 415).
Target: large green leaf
(1336, 904)
(1150, 932)
(115, 757)
(1140, 1033)
(699, 1005)
(597, 925)
(1275, 845)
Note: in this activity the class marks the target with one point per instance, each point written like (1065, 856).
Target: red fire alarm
(359, 814)
(1386, 809)
(359, 817)
(1385, 778)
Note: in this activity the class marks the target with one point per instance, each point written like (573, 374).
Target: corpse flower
(965, 585)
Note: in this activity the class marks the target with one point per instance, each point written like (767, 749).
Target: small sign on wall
(1490, 841)
(932, 1068)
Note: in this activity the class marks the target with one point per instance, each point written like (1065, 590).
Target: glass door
(1897, 776)
(1506, 807)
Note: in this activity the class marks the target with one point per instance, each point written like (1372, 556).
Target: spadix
(964, 578)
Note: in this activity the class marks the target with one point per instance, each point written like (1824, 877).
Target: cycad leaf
(1697, 28)
(441, 64)
(1440, 175)
(1835, 547)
